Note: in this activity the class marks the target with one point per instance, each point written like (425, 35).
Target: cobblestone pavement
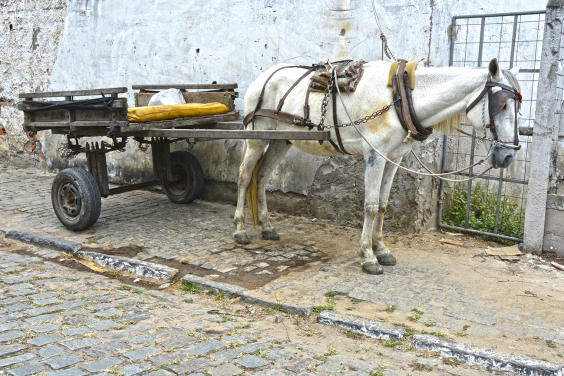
(60, 322)
(305, 266)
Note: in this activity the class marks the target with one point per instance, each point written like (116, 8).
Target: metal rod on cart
(132, 187)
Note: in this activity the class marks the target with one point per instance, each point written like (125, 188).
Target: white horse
(440, 96)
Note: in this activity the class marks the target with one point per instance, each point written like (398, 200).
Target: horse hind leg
(373, 178)
(382, 253)
(277, 149)
(251, 154)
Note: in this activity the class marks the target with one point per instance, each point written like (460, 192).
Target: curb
(228, 290)
(44, 241)
(140, 268)
(231, 291)
(288, 308)
(487, 358)
(368, 327)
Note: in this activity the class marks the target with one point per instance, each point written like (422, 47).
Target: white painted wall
(108, 43)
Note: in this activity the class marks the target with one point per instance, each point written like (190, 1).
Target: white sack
(167, 97)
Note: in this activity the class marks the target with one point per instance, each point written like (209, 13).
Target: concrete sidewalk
(449, 291)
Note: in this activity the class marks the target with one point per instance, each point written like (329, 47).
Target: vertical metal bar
(445, 137)
(481, 45)
(452, 32)
(499, 184)
(513, 40)
(442, 182)
(469, 192)
(472, 147)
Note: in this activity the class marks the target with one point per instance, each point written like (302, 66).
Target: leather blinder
(498, 100)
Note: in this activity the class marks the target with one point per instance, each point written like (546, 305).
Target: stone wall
(554, 225)
(106, 43)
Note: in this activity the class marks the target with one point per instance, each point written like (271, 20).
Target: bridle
(496, 103)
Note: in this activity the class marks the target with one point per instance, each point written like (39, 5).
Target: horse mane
(451, 126)
(512, 79)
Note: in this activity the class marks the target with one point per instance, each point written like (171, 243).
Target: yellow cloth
(158, 113)
(409, 68)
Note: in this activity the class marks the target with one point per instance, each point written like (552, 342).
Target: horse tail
(251, 194)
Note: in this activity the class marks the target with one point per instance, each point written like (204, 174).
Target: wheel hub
(69, 200)
(181, 183)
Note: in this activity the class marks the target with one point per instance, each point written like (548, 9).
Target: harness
(401, 88)
(330, 91)
(402, 102)
(496, 103)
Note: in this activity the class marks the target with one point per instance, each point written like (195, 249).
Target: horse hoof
(270, 235)
(386, 259)
(372, 269)
(241, 238)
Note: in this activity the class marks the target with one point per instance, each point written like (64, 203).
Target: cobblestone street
(59, 322)
(437, 289)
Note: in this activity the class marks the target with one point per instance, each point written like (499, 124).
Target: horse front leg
(382, 253)
(251, 154)
(277, 149)
(374, 169)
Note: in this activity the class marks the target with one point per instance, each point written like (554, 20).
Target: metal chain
(365, 119)
(325, 102)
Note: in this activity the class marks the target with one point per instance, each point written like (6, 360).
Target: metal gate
(493, 204)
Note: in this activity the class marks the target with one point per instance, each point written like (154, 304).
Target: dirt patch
(240, 277)
(74, 264)
(130, 251)
(552, 256)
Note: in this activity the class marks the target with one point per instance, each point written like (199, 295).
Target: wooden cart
(76, 193)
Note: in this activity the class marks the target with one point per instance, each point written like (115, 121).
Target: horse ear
(494, 69)
(515, 70)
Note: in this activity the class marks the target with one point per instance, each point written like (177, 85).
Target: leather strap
(281, 102)
(420, 128)
(403, 95)
(398, 109)
(280, 116)
(259, 101)
(337, 132)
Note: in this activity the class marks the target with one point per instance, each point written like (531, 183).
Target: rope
(385, 48)
(432, 174)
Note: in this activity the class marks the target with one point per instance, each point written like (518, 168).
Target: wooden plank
(142, 99)
(22, 106)
(81, 132)
(236, 134)
(74, 93)
(185, 87)
(62, 124)
(451, 241)
(196, 121)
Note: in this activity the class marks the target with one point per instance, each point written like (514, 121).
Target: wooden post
(546, 118)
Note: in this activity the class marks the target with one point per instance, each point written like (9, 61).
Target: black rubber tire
(76, 198)
(190, 186)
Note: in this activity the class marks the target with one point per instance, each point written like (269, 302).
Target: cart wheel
(191, 178)
(76, 198)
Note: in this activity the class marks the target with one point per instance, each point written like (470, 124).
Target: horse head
(493, 114)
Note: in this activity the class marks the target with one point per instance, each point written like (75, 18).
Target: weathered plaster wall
(108, 43)
(29, 40)
(554, 229)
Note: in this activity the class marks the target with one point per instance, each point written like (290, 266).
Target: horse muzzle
(502, 157)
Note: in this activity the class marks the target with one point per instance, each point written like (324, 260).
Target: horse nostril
(507, 160)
